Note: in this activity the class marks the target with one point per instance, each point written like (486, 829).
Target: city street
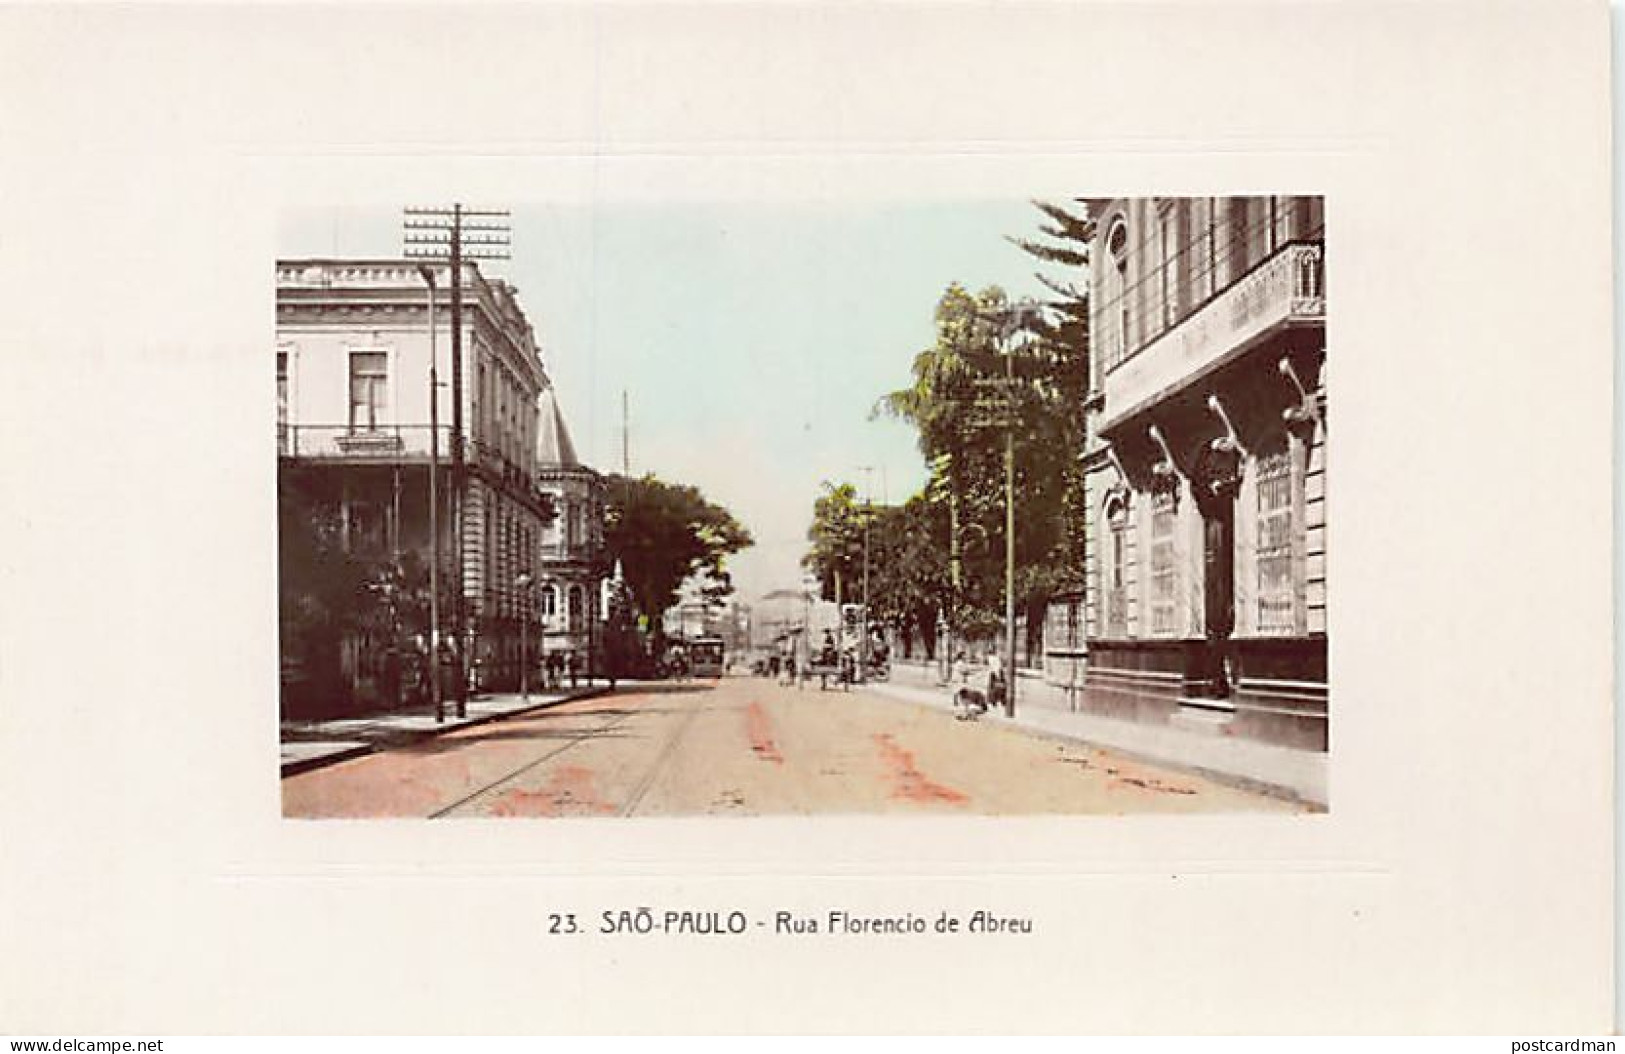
(745, 746)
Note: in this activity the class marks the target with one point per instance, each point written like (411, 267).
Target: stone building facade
(1205, 602)
(570, 553)
(354, 447)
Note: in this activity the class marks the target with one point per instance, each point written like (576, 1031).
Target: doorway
(1216, 485)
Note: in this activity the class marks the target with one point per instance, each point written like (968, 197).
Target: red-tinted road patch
(569, 790)
(397, 783)
(911, 783)
(759, 727)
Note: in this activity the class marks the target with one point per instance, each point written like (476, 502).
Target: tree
(331, 592)
(665, 534)
(1068, 232)
(974, 382)
(836, 534)
(909, 570)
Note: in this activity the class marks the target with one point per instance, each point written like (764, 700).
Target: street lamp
(523, 581)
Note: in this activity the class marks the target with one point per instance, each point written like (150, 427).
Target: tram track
(662, 759)
(528, 766)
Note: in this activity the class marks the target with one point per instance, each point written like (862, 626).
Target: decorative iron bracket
(1230, 442)
(1117, 463)
(1306, 412)
(1164, 474)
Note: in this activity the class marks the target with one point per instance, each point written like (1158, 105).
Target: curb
(1237, 780)
(299, 765)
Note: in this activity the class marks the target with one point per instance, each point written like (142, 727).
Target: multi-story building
(1205, 602)
(355, 445)
(571, 556)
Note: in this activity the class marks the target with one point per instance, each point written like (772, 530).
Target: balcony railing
(390, 443)
(499, 466)
(358, 443)
(1285, 289)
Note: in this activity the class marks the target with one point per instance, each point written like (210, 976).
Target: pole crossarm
(453, 211)
(438, 232)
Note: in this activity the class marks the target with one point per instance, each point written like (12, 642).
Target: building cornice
(332, 291)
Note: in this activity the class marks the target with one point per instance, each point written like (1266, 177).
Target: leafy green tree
(909, 570)
(837, 537)
(328, 592)
(997, 366)
(1067, 232)
(978, 379)
(665, 534)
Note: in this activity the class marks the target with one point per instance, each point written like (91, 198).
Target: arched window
(1116, 571)
(549, 600)
(1116, 294)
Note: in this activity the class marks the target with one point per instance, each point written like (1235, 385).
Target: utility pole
(456, 234)
(524, 581)
(1000, 411)
(868, 517)
(626, 436)
(434, 508)
(1009, 538)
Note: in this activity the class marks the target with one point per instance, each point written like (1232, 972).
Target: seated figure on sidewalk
(979, 689)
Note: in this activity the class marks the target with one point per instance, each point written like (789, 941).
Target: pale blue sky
(752, 339)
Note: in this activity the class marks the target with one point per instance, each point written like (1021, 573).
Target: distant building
(571, 553)
(691, 618)
(354, 448)
(1206, 475)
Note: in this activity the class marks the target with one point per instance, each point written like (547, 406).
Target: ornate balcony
(346, 443)
(1286, 290)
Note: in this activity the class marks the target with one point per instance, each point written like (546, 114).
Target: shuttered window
(1275, 585)
(1164, 608)
(1116, 578)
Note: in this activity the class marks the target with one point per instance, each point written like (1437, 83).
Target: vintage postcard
(798, 518)
(1045, 534)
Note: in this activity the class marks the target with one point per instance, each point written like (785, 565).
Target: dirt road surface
(748, 747)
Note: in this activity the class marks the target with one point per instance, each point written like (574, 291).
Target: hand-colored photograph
(777, 509)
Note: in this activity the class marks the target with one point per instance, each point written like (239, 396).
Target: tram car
(706, 656)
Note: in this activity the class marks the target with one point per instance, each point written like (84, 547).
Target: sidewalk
(1043, 708)
(312, 744)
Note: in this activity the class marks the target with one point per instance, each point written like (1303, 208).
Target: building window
(1117, 575)
(549, 601)
(482, 407)
(578, 612)
(1166, 289)
(1117, 335)
(1183, 295)
(1164, 514)
(369, 388)
(1237, 240)
(1275, 585)
(550, 529)
(282, 402)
